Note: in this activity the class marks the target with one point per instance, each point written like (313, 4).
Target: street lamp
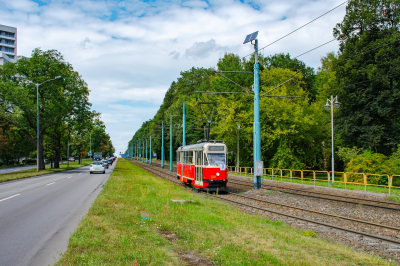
(37, 99)
(333, 102)
(237, 167)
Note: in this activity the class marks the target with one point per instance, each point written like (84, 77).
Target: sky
(129, 52)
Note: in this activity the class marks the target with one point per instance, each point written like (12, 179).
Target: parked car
(97, 166)
(72, 159)
(105, 163)
(110, 161)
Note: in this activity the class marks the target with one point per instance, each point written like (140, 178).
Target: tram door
(183, 157)
(199, 168)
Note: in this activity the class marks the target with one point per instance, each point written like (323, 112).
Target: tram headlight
(217, 174)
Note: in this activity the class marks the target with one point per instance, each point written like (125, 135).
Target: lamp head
(327, 106)
(336, 104)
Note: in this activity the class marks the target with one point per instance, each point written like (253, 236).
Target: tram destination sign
(216, 148)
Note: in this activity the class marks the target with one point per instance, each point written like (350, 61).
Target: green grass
(115, 232)
(33, 172)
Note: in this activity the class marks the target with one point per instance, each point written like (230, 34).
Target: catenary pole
(333, 158)
(37, 157)
(146, 150)
(143, 153)
(151, 151)
(170, 147)
(162, 146)
(237, 154)
(256, 126)
(184, 126)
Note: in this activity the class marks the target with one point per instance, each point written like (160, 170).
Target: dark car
(105, 163)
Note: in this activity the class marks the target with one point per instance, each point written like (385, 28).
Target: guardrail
(284, 175)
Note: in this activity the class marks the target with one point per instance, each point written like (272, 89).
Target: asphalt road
(38, 215)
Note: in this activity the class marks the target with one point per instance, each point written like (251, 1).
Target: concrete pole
(162, 146)
(37, 96)
(184, 126)
(68, 154)
(256, 127)
(237, 154)
(151, 152)
(170, 147)
(333, 158)
(146, 150)
(143, 153)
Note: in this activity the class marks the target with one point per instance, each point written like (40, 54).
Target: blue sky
(129, 52)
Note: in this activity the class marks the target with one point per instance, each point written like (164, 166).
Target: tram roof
(198, 146)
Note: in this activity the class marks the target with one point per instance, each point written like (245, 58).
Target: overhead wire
(300, 27)
(314, 48)
(388, 75)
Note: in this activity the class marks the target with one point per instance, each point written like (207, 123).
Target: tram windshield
(216, 159)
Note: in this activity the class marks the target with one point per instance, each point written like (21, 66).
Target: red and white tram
(203, 165)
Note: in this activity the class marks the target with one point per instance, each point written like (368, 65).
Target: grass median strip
(33, 172)
(140, 217)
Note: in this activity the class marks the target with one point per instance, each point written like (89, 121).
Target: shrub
(369, 163)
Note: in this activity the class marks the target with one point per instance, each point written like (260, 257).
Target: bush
(369, 163)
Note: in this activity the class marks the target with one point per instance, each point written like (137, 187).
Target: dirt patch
(189, 258)
(170, 236)
(193, 260)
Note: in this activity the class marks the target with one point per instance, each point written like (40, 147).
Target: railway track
(320, 195)
(360, 227)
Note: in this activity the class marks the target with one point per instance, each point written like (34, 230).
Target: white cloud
(130, 51)
(195, 4)
(201, 50)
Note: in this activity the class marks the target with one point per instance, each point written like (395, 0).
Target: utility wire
(315, 48)
(299, 28)
(232, 81)
(386, 44)
(388, 75)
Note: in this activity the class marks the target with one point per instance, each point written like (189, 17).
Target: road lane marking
(10, 197)
(50, 183)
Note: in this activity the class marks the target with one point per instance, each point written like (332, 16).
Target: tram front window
(216, 159)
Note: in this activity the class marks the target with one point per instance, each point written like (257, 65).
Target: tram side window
(188, 157)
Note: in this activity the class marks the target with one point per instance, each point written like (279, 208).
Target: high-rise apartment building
(8, 44)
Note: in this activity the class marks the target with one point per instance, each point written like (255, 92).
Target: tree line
(65, 116)
(295, 132)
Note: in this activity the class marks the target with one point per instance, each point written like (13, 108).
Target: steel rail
(322, 213)
(312, 221)
(392, 241)
(303, 193)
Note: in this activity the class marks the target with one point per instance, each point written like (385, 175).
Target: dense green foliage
(64, 110)
(295, 133)
(368, 116)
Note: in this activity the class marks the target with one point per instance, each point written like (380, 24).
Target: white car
(97, 167)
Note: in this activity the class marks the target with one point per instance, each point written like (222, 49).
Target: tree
(58, 99)
(368, 67)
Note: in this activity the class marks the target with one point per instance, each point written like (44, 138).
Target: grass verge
(33, 172)
(131, 217)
